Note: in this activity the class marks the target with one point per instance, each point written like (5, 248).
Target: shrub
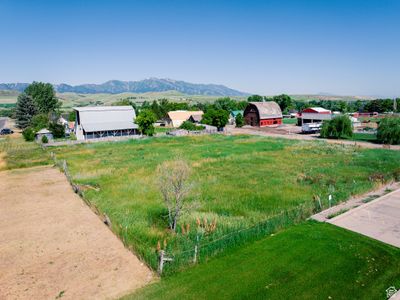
(72, 136)
(338, 127)
(389, 131)
(145, 120)
(57, 130)
(187, 125)
(45, 140)
(28, 134)
(239, 120)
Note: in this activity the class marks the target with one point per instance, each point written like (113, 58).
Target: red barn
(262, 114)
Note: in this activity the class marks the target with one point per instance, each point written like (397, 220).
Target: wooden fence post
(196, 250)
(161, 262)
(163, 258)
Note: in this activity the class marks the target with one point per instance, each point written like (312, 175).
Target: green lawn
(364, 137)
(16, 153)
(308, 261)
(290, 121)
(162, 129)
(238, 182)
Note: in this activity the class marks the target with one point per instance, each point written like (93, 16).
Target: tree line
(37, 108)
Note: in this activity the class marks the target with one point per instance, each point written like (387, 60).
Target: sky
(342, 47)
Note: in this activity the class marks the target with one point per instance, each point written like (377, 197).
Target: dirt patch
(3, 163)
(53, 245)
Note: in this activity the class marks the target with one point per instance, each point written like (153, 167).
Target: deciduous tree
(44, 97)
(389, 131)
(218, 118)
(145, 120)
(338, 127)
(175, 187)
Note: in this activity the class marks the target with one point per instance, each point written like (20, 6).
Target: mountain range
(142, 86)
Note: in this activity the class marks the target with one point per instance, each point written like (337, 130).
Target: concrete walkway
(378, 219)
(53, 246)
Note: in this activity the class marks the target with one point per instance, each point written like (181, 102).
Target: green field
(16, 153)
(308, 261)
(238, 182)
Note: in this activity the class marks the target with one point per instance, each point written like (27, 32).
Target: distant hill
(142, 86)
(333, 97)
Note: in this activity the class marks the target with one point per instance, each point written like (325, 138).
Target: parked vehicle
(6, 131)
(311, 127)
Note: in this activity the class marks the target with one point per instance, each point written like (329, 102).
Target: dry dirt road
(52, 245)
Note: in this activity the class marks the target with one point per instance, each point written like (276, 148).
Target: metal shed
(104, 121)
(43, 132)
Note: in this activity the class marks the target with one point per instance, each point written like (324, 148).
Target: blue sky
(266, 47)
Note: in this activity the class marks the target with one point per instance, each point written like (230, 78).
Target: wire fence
(202, 248)
(198, 246)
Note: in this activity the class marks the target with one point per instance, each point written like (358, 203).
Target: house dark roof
(268, 110)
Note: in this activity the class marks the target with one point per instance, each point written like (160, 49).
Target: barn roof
(106, 118)
(268, 110)
(103, 108)
(234, 113)
(43, 131)
(107, 126)
(317, 110)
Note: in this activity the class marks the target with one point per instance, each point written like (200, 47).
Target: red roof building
(314, 115)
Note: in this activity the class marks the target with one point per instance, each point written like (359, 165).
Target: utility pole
(395, 105)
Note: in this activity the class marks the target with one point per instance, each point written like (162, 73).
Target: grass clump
(370, 198)
(338, 213)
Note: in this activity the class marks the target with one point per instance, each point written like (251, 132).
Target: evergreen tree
(24, 110)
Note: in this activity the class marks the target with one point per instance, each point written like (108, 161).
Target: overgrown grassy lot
(308, 261)
(16, 153)
(239, 181)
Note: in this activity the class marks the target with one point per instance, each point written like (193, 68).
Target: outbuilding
(177, 117)
(104, 121)
(43, 132)
(232, 116)
(314, 115)
(262, 114)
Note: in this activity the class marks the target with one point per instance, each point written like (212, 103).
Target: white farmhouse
(104, 121)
